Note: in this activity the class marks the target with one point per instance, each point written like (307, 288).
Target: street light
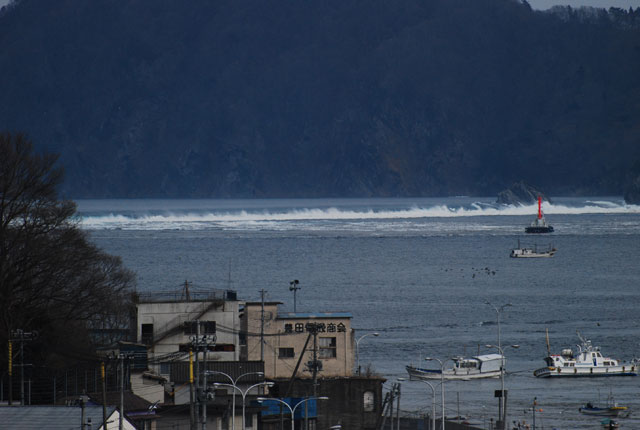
(244, 395)
(441, 383)
(503, 412)
(292, 409)
(357, 350)
(234, 385)
(400, 380)
(498, 312)
(433, 404)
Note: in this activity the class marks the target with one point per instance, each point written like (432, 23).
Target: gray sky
(545, 4)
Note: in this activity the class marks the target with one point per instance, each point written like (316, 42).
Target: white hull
(588, 362)
(586, 371)
(417, 373)
(531, 252)
(533, 255)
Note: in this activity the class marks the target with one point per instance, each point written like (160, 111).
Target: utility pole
(204, 382)
(200, 398)
(198, 392)
(191, 393)
(121, 414)
(104, 395)
(398, 407)
(10, 373)
(262, 328)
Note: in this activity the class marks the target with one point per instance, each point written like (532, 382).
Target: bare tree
(52, 279)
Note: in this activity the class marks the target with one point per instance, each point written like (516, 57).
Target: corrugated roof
(132, 402)
(49, 417)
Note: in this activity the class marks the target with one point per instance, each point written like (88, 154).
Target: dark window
(206, 327)
(285, 353)
(146, 334)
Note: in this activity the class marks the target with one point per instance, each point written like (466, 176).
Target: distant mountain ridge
(347, 98)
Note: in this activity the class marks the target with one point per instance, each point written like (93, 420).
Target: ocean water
(419, 272)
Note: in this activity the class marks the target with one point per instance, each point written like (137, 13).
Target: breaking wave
(180, 215)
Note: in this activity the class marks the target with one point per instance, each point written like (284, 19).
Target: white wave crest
(213, 218)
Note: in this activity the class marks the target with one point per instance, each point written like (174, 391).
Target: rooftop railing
(184, 296)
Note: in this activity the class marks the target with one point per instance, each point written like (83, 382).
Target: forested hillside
(324, 98)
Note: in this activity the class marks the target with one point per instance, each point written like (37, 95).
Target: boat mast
(548, 347)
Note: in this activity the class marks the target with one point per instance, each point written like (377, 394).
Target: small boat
(477, 367)
(539, 225)
(588, 361)
(607, 411)
(524, 252)
(609, 424)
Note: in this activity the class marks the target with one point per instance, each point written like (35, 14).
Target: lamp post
(503, 412)
(357, 349)
(441, 384)
(292, 409)
(433, 404)
(498, 312)
(398, 385)
(234, 385)
(244, 395)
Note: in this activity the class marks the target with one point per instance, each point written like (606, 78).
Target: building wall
(148, 389)
(354, 403)
(167, 319)
(285, 337)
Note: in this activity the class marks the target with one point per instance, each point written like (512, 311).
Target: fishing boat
(539, 225)
(534, 252)
(476, 367)
(611, 410)
(588, 361)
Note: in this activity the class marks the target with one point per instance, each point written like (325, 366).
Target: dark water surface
(419, 272)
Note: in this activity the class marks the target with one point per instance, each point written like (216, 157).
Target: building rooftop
(49, 417)
(313, 315)
(182, 295)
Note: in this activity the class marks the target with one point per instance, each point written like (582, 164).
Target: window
(368, 401)
(146, 334)
(285, 353)
(327, 347)
(206, 327)
(165, 368)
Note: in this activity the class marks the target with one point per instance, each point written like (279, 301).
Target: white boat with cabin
(477, 367)
(524, 252)
(588, 361)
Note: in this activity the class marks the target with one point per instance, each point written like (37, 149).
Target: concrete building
(166, 324)
(286, 334)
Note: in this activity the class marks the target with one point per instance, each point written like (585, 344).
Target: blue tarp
(273, 407)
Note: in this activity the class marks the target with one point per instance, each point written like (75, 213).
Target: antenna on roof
(293, 286)
(185, 290)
